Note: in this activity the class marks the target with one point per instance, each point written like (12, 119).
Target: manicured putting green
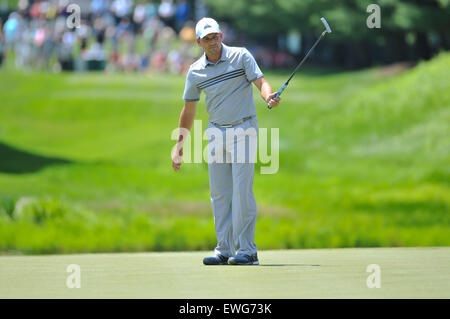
(291, 274)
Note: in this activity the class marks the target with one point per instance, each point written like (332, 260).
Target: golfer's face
(212, 42)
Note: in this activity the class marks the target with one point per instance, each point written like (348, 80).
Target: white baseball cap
(206, 26)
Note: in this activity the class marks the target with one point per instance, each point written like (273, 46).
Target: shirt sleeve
(191, 91)
(252, 70)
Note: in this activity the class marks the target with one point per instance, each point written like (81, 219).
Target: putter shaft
(327, 30)
(306, 56)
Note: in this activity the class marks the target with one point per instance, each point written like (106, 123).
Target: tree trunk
(423, 48)
(445, 40)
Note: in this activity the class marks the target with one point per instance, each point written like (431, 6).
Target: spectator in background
(25, 53)
(264, 56)
(35, 10)
(158, 62)
(59, 26)
(166, 37)
(47, 46)
(61, 8)
(113, 61)
(98, 26)
(51, 10)
(95, 57)
(228, 33)
(182, 13)
(187, 33)
(130, 61)
(12, 29)
(2, 43)
(124, 28)
(189, 51)
(98, 8)
(139, 17)
(151, 10)
(151, 29)
(96, 51)
(22, 6)
(175, 62)
(166, 12)
(201, 10)
(83, 33)
(65, 51)
(122, 9)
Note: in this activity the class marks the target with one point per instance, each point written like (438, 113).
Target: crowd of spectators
(111, 35)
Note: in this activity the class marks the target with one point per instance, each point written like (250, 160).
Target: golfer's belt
(234, 123)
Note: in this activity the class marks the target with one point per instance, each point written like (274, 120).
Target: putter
(327, 30)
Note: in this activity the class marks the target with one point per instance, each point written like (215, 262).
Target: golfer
(225, 74)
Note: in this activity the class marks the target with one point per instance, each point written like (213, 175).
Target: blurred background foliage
(410, 29)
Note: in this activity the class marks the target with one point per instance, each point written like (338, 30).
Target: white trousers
(231, 166)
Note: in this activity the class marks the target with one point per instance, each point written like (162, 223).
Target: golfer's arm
(264, 87)
(187, 118)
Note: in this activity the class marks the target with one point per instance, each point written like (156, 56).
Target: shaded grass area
(363, 162)
(18, 161)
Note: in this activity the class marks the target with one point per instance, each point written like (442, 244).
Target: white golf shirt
(227, 84)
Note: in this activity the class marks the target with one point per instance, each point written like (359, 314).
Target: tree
(413, 29)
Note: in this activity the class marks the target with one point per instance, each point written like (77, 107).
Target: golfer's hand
(272, 101)
(177, 156)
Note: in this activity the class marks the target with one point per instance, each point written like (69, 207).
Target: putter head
(325, 23)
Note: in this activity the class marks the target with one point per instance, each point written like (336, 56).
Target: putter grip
(278, 93)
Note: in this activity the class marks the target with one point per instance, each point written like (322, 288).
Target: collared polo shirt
(227, 84)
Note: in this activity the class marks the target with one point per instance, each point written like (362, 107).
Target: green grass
(286, 274)
(364, 162)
